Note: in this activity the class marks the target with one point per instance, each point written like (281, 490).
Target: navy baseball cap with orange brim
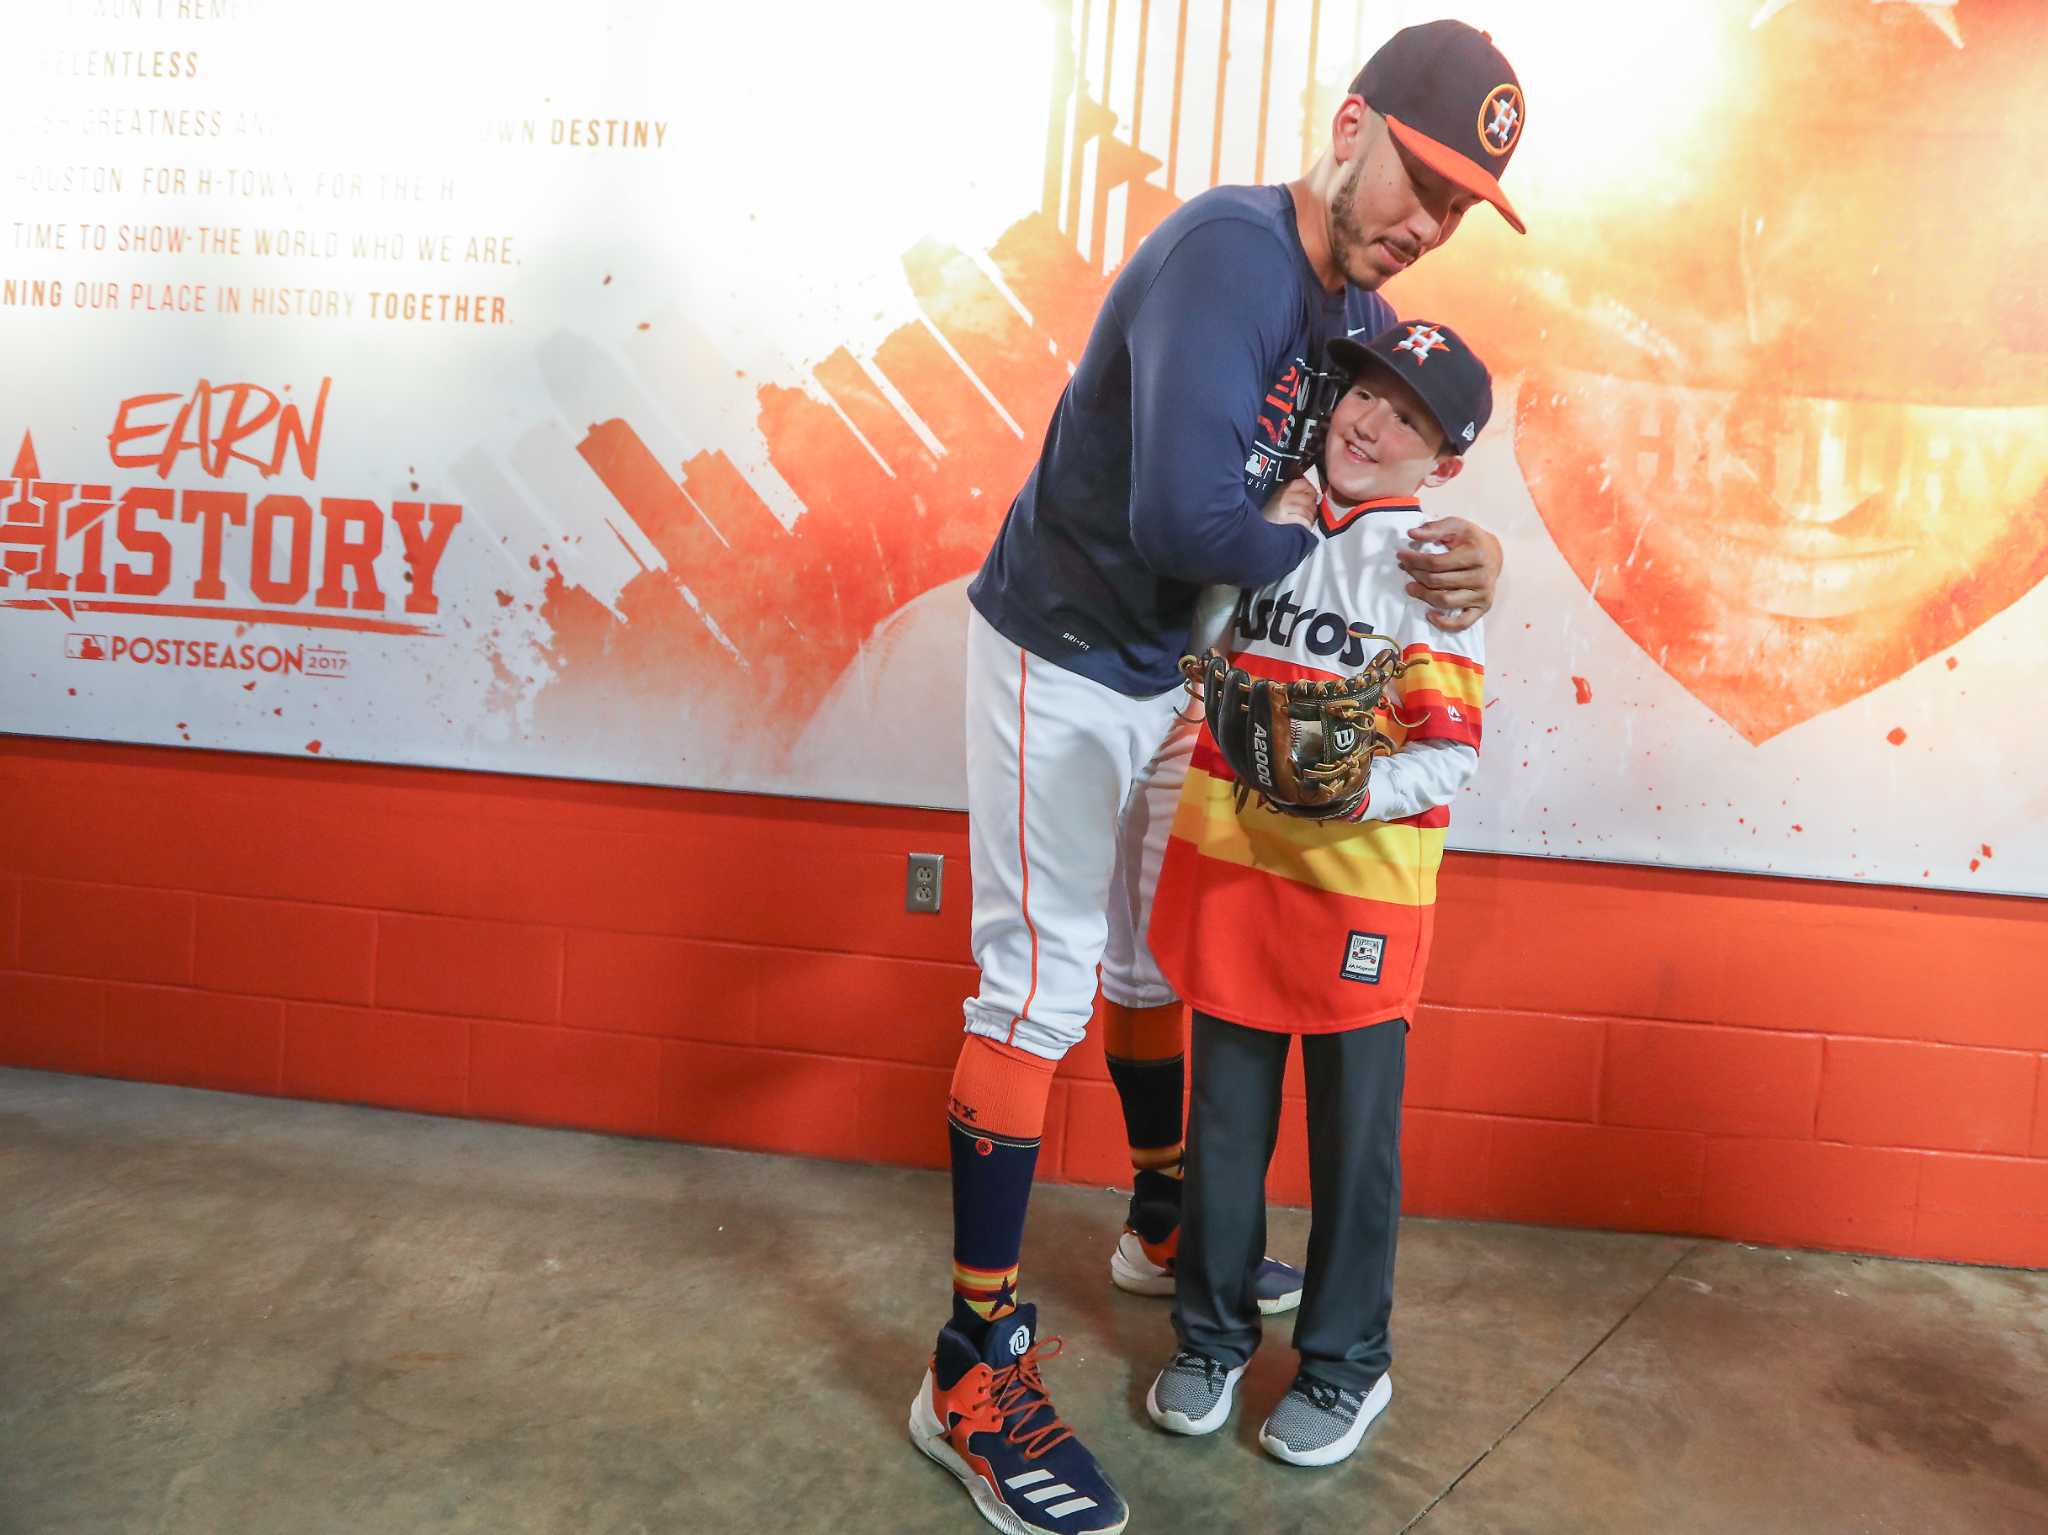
(1436, 362)
(1452, 100)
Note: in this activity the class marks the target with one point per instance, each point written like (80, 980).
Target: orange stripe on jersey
(1368, 956)
(1442, 696)
(1337, 518)
(1425, 652)
(1459, 677)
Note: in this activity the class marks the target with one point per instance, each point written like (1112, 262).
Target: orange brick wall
(1784, 1062)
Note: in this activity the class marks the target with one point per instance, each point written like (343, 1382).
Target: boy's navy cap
(1434, 361)
(1453, 101)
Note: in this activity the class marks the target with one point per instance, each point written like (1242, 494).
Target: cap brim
(1457, 169)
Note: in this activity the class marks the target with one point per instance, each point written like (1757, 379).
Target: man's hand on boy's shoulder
(1460, 582)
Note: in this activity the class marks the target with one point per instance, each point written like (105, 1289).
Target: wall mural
(600, 402)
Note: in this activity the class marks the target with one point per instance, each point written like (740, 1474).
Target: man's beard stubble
(1344, 240)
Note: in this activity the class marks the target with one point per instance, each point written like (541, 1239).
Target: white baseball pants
(1071, 792)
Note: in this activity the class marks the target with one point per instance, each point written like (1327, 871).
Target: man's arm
(1205, 343)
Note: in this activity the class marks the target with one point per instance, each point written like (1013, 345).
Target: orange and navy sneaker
(1143, 1262)
(984, 1415)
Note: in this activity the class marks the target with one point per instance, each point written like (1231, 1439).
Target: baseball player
(1155, 481)
(1353, 894)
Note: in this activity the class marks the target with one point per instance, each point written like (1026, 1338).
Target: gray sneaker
(1192, 1394)
(1317, 1424)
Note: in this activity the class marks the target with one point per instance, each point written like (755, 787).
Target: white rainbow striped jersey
(1314, 926)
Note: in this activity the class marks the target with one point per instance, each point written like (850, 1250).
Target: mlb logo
(1362, 955)
(86, 647)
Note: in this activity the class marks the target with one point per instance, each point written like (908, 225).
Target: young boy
(1271, 926)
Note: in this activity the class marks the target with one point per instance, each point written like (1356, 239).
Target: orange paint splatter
(1583, 689)
(1974, 866)
(1951, 663)
(313, 747)
(504, 599)
(1897, 736)
(1984, 848)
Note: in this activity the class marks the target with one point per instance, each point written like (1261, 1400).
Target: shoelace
(1321, 1395)
(1187, 1358)
(1017, 1389)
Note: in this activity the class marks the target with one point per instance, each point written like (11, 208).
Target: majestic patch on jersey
(1362, 955)
(1422, 340)
(1500, 119)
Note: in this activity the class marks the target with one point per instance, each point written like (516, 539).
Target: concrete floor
(224, 1314)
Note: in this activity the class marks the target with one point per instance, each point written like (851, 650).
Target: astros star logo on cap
(1422, 340)
(1500, 119)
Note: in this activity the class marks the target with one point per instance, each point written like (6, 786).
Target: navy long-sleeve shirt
(1141, 495)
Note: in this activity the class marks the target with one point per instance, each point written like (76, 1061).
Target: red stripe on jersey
(1435, 719)
(1276, 670)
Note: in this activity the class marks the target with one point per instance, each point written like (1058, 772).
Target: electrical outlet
(927, 880)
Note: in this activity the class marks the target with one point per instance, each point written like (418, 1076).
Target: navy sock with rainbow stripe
(994, 1123)
(991, 1191)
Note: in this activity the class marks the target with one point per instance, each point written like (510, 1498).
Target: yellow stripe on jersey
(1372, 860)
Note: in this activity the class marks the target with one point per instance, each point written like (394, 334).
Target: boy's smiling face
(1383, 443)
